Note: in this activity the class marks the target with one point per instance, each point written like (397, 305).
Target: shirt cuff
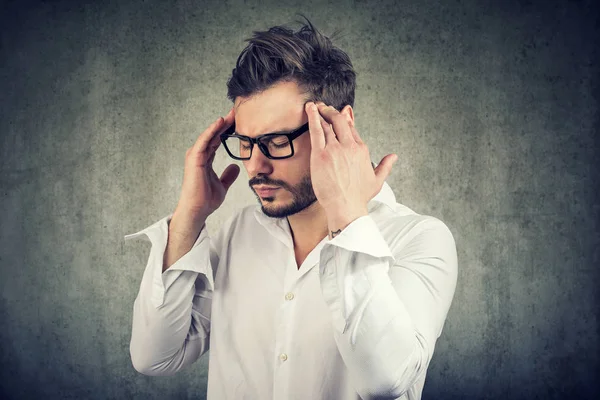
(196, 260)
(362, 235)
(347, 278)
(156, 230)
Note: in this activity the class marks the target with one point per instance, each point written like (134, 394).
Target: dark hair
(306, 57)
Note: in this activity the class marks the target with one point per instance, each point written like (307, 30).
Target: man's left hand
(343, 177)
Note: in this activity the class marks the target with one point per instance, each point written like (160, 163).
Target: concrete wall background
(493, 109)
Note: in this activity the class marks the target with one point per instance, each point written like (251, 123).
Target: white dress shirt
(358, 320)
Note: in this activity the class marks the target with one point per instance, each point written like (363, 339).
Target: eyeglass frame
(230, 132)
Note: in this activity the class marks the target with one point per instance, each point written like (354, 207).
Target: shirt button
(283, 356)
(289, 296)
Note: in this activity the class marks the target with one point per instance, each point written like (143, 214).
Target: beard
(303, 196)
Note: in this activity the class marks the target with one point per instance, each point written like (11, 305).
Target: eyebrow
(281, 132)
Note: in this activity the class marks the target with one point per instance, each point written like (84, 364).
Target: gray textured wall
(492, 108)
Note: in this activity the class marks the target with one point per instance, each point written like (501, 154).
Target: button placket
(284, 335)
(288, 297)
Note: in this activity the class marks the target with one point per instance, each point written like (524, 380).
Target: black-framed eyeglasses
(275, 146)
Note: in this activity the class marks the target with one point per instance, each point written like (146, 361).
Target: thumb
(229, 175)
(384, 168)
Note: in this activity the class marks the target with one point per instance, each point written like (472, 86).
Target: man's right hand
(203, 191)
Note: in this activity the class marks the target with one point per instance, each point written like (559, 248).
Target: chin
(284, 210)
(271, 209)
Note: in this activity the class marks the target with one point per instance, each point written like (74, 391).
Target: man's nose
(258, 162)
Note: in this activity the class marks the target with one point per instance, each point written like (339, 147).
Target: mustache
(261, 180)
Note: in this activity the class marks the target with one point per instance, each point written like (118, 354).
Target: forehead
(278, 108)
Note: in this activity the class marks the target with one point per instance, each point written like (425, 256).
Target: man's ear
(347, 110)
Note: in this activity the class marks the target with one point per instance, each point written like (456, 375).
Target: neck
(308, 227)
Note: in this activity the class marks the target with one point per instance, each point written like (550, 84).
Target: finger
(228, 121)
(317, 136)
(205, 137)
(229, 175)
(328, 132)
(383, 169)
(205, 140)
(340, 123)
(355, 136)
(215, 142)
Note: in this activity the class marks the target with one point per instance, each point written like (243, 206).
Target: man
(330, 289)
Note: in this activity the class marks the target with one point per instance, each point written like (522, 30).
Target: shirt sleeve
(388, 302)
(171, 313)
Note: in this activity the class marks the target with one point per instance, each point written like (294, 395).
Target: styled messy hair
(306, 57)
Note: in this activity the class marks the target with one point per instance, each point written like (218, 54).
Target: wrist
(184, 222)
(339, 219)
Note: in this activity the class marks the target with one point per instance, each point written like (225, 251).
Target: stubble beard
(303, 196)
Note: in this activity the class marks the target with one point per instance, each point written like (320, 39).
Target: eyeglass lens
(277, 146)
